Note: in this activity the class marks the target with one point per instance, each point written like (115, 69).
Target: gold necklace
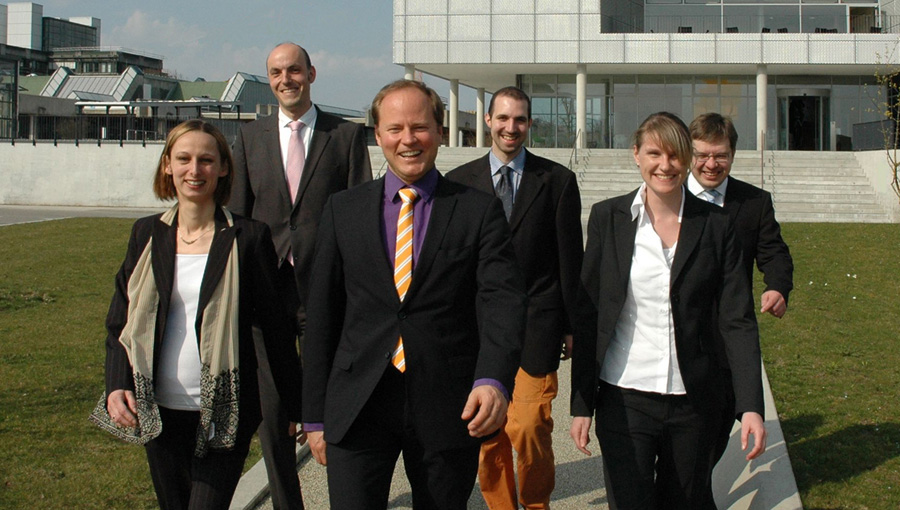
(194, 240)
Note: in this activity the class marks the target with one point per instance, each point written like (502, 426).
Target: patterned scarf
(219, 371)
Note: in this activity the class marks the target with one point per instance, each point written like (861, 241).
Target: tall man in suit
(415, 333)
(751, 211)
(544, 213)
(283, 177)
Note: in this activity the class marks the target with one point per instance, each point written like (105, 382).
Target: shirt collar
(638, 209)
(308, 118)
(425, 186)
(696, 188)
(517, 164)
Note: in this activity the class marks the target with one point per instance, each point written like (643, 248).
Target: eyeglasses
(720, 159)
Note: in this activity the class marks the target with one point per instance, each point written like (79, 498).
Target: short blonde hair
(164, 184)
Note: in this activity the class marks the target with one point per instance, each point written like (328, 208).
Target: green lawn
(56, 280)
(832, 361)
(834, 365)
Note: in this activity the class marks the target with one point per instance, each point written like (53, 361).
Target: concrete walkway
(766, 483)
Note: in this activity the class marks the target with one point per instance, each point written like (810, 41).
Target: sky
(349, 41)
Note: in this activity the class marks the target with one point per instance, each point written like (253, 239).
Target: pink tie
(296, 155)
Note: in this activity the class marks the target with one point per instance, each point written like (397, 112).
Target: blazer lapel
(441, 212)
(219, 252)
(480, 178)
(320, 138)
(271, 143)
(369, 232)
(626, 230)
(533, 180)
(693, 222)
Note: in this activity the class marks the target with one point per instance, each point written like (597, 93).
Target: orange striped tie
(403, 261)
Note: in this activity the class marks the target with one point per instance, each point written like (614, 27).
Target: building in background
(793, 74)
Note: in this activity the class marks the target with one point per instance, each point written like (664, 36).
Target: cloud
(351, 81)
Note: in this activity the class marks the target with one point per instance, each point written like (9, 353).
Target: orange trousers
(528, 430)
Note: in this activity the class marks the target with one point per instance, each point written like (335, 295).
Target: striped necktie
(403, 261)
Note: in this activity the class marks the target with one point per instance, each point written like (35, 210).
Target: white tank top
(178, 377)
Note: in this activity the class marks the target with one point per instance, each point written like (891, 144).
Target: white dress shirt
(694, 187)
(306, 132)
(642, 353)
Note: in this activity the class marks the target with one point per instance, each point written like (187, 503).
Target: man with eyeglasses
(753, 216)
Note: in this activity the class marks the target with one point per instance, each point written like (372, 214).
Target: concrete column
(409, 72)
(453, 124)
(762, 83)
(479, 117)
(581, 105)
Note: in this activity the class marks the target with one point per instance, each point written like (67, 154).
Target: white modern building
(793, 74)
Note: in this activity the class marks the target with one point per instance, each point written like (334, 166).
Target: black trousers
(183, 481)
(278, 448)
(361, 466)
(657, 450)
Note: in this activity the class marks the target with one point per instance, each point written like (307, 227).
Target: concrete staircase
(807, 186)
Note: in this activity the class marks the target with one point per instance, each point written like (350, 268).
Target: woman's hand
(122, 408)
(581, 433)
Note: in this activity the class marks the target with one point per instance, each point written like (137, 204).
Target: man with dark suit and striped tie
(414, 335)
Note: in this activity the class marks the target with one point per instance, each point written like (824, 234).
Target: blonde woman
(663, 273)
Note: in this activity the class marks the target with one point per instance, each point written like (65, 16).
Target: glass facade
(828, 105)
(755, 16)
(59, 33)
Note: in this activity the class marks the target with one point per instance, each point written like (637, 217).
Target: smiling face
(408, 133)
(660, 167)
(195, 166)
(290, 78)
(509, 124)
(715, 169)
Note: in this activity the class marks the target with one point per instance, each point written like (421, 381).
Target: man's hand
(773, 302)
(490, 406)
(317, 445)
(122, 408)
(752, 424)
(566, 347)
(581, 433)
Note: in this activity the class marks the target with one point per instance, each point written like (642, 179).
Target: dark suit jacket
(336, 159)
(546, 235)
(759, 235)
(462, 319)
(706, 272)
(259, 306)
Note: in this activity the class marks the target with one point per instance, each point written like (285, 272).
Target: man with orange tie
(285, 167)
(413, 339)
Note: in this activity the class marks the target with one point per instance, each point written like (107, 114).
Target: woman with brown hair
(181, 353)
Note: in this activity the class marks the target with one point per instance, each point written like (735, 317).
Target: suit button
(402, 315)
(293, 227)
(387, 355)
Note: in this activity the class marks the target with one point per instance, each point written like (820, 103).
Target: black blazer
(546, 235)
(706, 273)
(337, 158)
(259, 306)
(759, 235)
(462, 319)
